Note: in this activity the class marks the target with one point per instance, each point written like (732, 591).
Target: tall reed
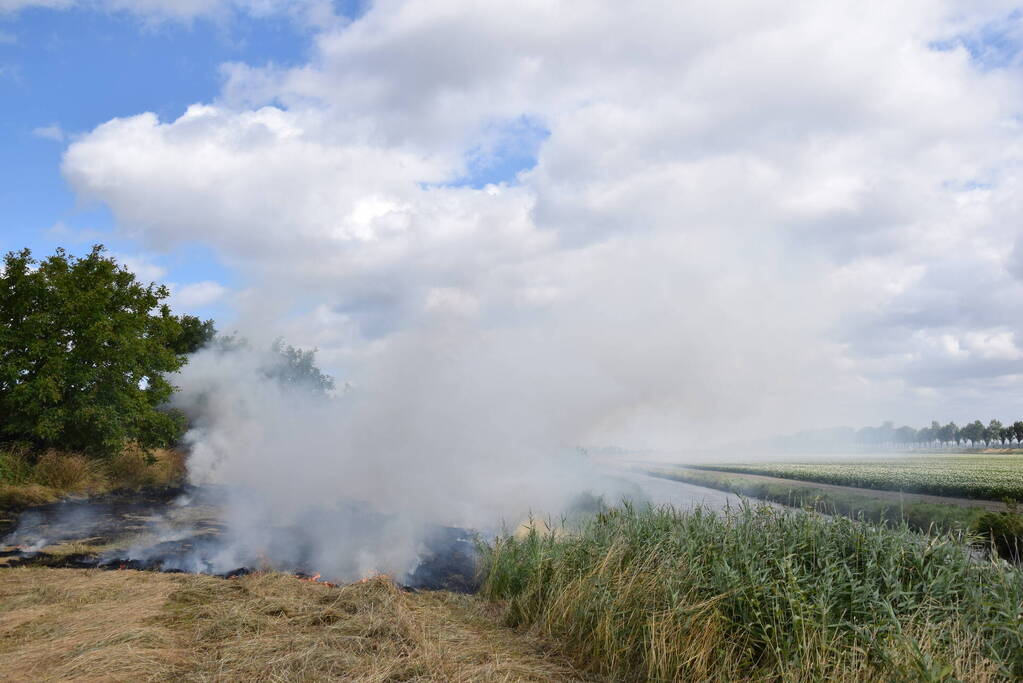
(760, 593)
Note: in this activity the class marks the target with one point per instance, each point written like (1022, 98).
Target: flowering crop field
(985, 477)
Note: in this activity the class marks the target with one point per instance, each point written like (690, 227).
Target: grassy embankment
(919, 516)
(982, 476)
(761, 593)
(59, 624)
(30, 479)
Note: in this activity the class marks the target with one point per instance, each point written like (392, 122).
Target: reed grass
(759, 593)
(28, 478)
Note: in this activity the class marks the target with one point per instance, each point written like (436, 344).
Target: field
(984, 477)
(920, 516)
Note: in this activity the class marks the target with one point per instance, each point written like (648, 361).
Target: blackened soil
(96, 520)
(447, 557)
(449, 562)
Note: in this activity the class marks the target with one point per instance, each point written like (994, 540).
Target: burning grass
(127, 625)
(761, 594)
(26, 480)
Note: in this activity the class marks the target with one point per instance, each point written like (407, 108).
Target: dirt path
(995, 506)
(70, 624)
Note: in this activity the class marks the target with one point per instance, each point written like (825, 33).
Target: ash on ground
(182, 530)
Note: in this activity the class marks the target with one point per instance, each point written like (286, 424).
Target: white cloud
(195, 295)
(752, 216)
(15, 5)
(52, 132)
(144, 269)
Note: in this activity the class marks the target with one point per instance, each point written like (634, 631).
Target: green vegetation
(761, 593)
(85, 353)
(985, 477)
(1005, 531)
(919, 516)
(86, 356)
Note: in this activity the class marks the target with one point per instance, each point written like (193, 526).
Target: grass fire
(384, 340)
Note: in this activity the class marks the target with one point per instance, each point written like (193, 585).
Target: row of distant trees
(975, 434)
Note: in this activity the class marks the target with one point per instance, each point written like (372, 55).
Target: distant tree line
(887, 436)
(974, 434)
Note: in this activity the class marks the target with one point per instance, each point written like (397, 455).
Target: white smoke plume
(462, 422)
(361, 479)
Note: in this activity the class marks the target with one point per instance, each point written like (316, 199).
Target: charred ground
(179, 530)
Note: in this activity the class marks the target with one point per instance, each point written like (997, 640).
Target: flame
(315, 578)
(371, 577)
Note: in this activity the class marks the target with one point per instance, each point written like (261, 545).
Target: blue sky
(72, 70)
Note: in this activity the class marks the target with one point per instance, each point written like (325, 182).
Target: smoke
(469, 422)
(353, 484)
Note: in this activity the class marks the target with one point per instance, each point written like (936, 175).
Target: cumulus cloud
(196, 295)
(744, 219)
(145, 270)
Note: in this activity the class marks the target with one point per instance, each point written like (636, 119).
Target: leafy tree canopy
(84, 350)
(296, 369)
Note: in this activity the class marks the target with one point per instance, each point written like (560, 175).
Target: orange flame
(315, 578)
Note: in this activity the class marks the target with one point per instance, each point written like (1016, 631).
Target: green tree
(1017, 430)
(974, 431)
(905, 435)
(950, 433)
(194, 335)
(84, 350)
(993, 432)
(296, 369)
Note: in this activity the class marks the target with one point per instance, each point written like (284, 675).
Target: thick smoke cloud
(429, 437)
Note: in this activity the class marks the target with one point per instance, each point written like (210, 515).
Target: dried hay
(109, 625)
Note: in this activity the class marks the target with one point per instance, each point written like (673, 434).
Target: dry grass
(55, 474)
(17, 496)
(70, 472)
(94, 625)
(134, 469)
(85, 625)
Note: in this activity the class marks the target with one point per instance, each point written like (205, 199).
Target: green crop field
(986, 477)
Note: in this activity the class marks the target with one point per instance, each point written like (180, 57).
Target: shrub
(135, 468)
(68, 472)
(15, 466)
(1004, 530)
